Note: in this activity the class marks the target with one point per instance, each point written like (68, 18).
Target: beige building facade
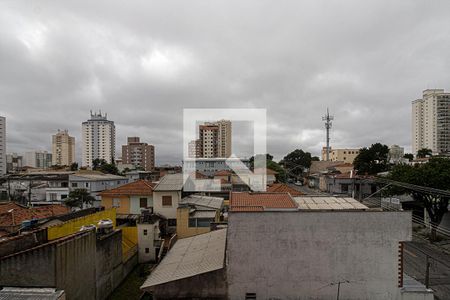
(214, 141)
(63, 148)
(140, 155)
(431, 122)
(346, 155)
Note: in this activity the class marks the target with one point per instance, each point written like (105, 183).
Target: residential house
(167, 195)
(283, 188)
(149, 236)
(196, 213)
(130, 198)
(95, 182)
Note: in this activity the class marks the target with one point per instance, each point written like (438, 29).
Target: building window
(147, 250)
(166, 200)
(74, 184)
(250, 296)
(142, 202)
(116, 202)
(192, 222)
(86, 184)
(172, 222)
(53, 196)
(63, 196)
(344, 188)
(204, 222)
(145, 231)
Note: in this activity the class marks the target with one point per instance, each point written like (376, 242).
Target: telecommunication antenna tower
(327, 118)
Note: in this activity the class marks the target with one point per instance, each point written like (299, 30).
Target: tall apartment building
(140, 155)
(38, 159)
(214, 140)
(195, 149)
(431, 122)
(347, 155)
(14, 162)
(63, 148)
(2, 145)
(98, 136)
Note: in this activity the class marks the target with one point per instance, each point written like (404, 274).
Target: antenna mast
(327, 118)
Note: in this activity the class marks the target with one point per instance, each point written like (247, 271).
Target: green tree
(434, 174)
(409, 156)
(78, 197)
(104, 167)
(296, 162)
(270, 164)
(424, 152)
(372, 160)
(74, 166)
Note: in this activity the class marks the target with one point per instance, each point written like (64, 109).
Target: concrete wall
(75, 266)
(170, 212)
(108, 264)
(147, 241)
(21, 242)
(67, 264)
(210, 285)
(301, 255)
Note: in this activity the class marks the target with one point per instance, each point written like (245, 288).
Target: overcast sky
(142, 62)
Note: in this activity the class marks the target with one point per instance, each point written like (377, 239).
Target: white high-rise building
(2, 145)
(98, 136)
(431, 122)
(38, 159)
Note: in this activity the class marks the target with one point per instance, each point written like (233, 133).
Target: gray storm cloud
(142, 62)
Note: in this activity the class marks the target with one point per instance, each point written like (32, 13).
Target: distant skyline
(143, 62)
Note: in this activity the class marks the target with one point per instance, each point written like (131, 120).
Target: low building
(326, 243)
(193, 269)
(348, 184)
(152, 176)
(14, 216)
(149, 237)
(196, 214)
(283, 188)
(210, 166)
(14, 163)
(95, 182)
(130, 198)
(347, 155)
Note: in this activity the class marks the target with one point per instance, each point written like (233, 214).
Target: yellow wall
(129, 240)
(73, 226)
(183, 229)
(124, 208)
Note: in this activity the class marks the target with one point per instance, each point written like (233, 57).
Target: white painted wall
(299, 255)
(170, 212)
(147, 241)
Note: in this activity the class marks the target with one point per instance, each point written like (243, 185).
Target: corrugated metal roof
(170, 182)
(328, 203)
(210, 214)
(190, 257)
(9, 293)
(205, 201)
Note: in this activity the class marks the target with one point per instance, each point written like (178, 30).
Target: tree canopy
(434, 174)
(104, 167)
(424, 152)
(78, 197)
(297, 161)
(372, 160)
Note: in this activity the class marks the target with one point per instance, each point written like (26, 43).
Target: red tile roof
(223, 173)
(283, 188)
(22, 213)
(261, 201)
(136, 188)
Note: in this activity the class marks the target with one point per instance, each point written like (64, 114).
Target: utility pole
(327, 118)
(427, 272)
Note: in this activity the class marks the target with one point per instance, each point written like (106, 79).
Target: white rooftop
(170, 182)
(190, 257)
(328, 203)
(206, 201)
